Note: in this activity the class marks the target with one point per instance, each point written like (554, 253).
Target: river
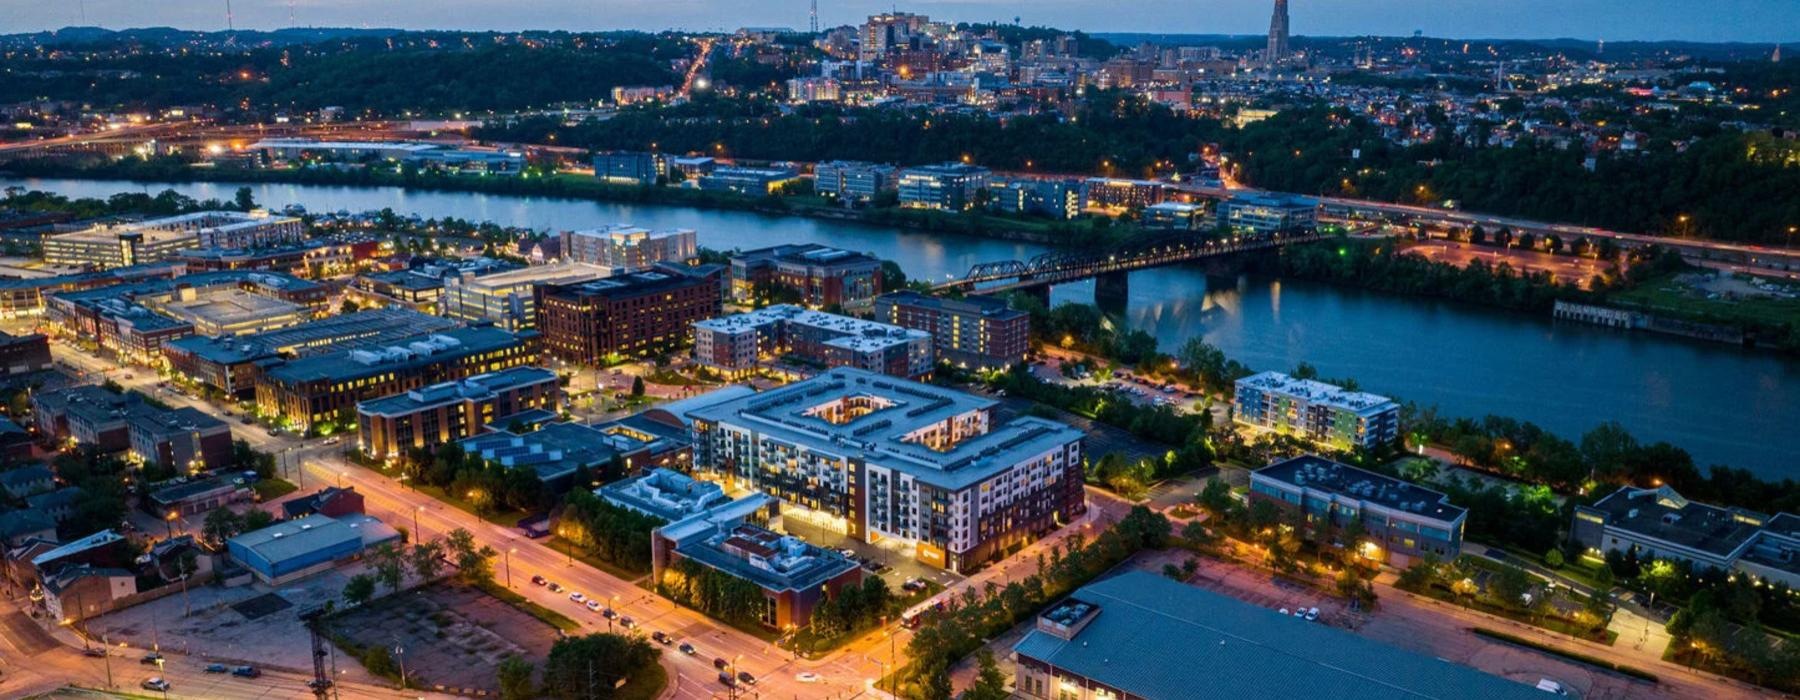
(1723, 404)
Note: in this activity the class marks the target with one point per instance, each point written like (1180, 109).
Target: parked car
(627, 623)
(660, 638)
(687, 648)
(593, 605)
(609, 614)
(156, 683)
(539, 581)
(1312, 614)
(807, 677)
(578, 597)
(727, 680)
(745, 678)
(555, 587)
(719, 662)
(216, 668)
(150, 658)
(246, 672)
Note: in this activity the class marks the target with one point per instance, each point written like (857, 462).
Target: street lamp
(416, 532)
(508, 558)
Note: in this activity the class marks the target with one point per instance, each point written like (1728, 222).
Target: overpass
(1108, 267)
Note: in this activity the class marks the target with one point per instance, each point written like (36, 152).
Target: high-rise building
(887, 32)
(1278, 34)
(1323, 413)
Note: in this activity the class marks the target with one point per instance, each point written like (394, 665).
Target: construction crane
(321, 683)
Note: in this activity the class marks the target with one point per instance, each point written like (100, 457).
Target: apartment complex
(1660, 523)
(120, 245)
(312, 391)
(853, 181)
(1140, 636)
(1403, 521)
(887, 457)
(821, 275)
(637, 314)
(508, 299)
(737, 344)
(426, 417)
(976, 331)
(627, 248)
(946, 186)
(1323, 413)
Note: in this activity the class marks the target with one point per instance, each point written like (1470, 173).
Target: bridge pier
(1111, 290)
(1040, 292)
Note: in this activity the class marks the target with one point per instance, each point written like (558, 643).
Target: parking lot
(451, 636)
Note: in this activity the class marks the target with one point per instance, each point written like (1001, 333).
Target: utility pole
(106, 655)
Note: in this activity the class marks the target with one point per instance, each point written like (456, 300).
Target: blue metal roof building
(1140, 635)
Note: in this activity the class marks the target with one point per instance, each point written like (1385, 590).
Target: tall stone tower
(1278, 34)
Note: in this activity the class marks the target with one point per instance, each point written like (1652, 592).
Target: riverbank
(1086, 231)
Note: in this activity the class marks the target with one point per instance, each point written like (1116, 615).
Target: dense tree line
(1111, 131)
(165, 203)
(590, 667)
(1383, 266)
(428, 73)
(485, 485)
(713, 592)
(854, 609)
(617, 535)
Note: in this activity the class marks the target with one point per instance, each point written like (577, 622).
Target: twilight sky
(1615, 20)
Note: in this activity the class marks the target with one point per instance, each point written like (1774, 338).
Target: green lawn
(1668, 295)
(273, 488)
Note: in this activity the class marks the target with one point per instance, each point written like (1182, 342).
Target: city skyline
(1753, 21)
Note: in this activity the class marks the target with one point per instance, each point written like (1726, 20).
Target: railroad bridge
(1109, 267)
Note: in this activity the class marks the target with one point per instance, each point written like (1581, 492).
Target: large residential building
(1322, 413)
(887, 457)
(509, 299)
(426, 417)
(1660, 523)
(946, 186)
(1140, 636)
(324, 389)
(853, 181)
(24, 354)
(637, 314)
(1263, 214)
(821, 275)
(120, 245)
(977, 331)
(625, 248)
(740, 343)
(1403, 522)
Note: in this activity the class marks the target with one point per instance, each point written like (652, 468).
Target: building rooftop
(227, 306)
(295, 538)
(978, 304)
(349, 331)
(477, 388)
(951, 168)
(769, 559)
(553, 451)
(98, 539)
(659, 276)
(177, 493)
(892, 422)
(1145, 635)
(1361, 403)
(160, 422)
(1666, 515)
(403, 353)
(554, 273)
(854, 334)
(664, 493)
(1320, 474)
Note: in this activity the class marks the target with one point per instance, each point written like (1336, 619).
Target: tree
(990, 683)
(257, 519)
(389, 565)
(220, 525)
(379, 661)
(1553, 559)
(514, 679)
(244, 199)
(427, 559)
(1509, 585)
(473, 562)
(359, 589)
(637, 387)
(589, 666)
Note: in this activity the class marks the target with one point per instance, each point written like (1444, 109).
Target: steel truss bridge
(1064, 266)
